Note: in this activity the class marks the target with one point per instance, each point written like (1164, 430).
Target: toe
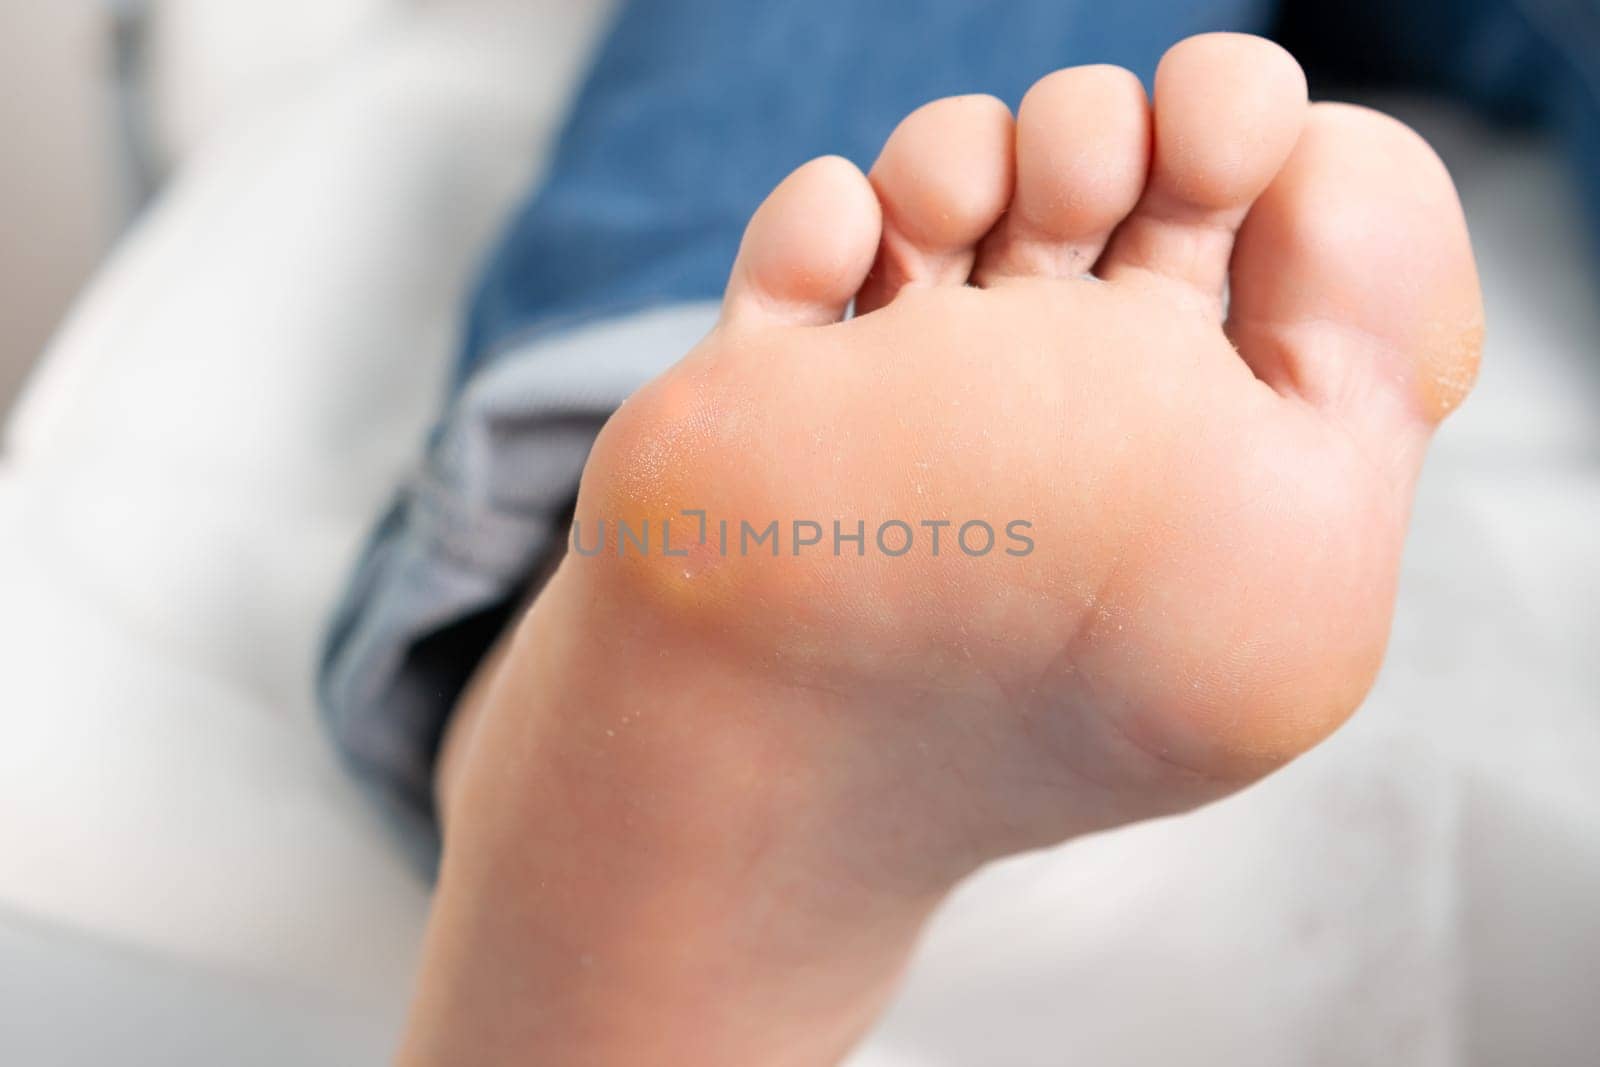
(1228, 109)
(1083, 145)
(807, 249)
(1353, 284)
(944, 178)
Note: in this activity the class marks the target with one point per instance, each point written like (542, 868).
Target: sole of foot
(1214, 488)
(1180, 358)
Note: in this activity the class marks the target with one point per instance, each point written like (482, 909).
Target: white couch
(186, 876)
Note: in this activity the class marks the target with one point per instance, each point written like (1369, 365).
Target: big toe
(1228, 109)
(1354, 286)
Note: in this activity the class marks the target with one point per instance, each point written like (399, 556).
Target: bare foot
(1187, 392)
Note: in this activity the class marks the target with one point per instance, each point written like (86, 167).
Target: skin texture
(698, 807)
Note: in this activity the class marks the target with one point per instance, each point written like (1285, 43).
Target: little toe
(1228, 109)
(943, 179)
(1354, 286)
(1083, 146)
(807, 249)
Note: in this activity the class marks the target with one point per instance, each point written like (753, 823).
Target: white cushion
(189, 475)
(210, 64)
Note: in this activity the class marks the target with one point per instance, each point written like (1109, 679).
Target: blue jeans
(692, 112)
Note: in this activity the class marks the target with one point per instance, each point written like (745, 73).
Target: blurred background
(235, 237)
(58, 207)
(101, 99)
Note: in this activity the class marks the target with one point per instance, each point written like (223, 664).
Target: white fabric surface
(185, 484)
(211, 63)
(187, 479)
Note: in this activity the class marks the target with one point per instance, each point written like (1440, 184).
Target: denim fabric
(692, 111)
